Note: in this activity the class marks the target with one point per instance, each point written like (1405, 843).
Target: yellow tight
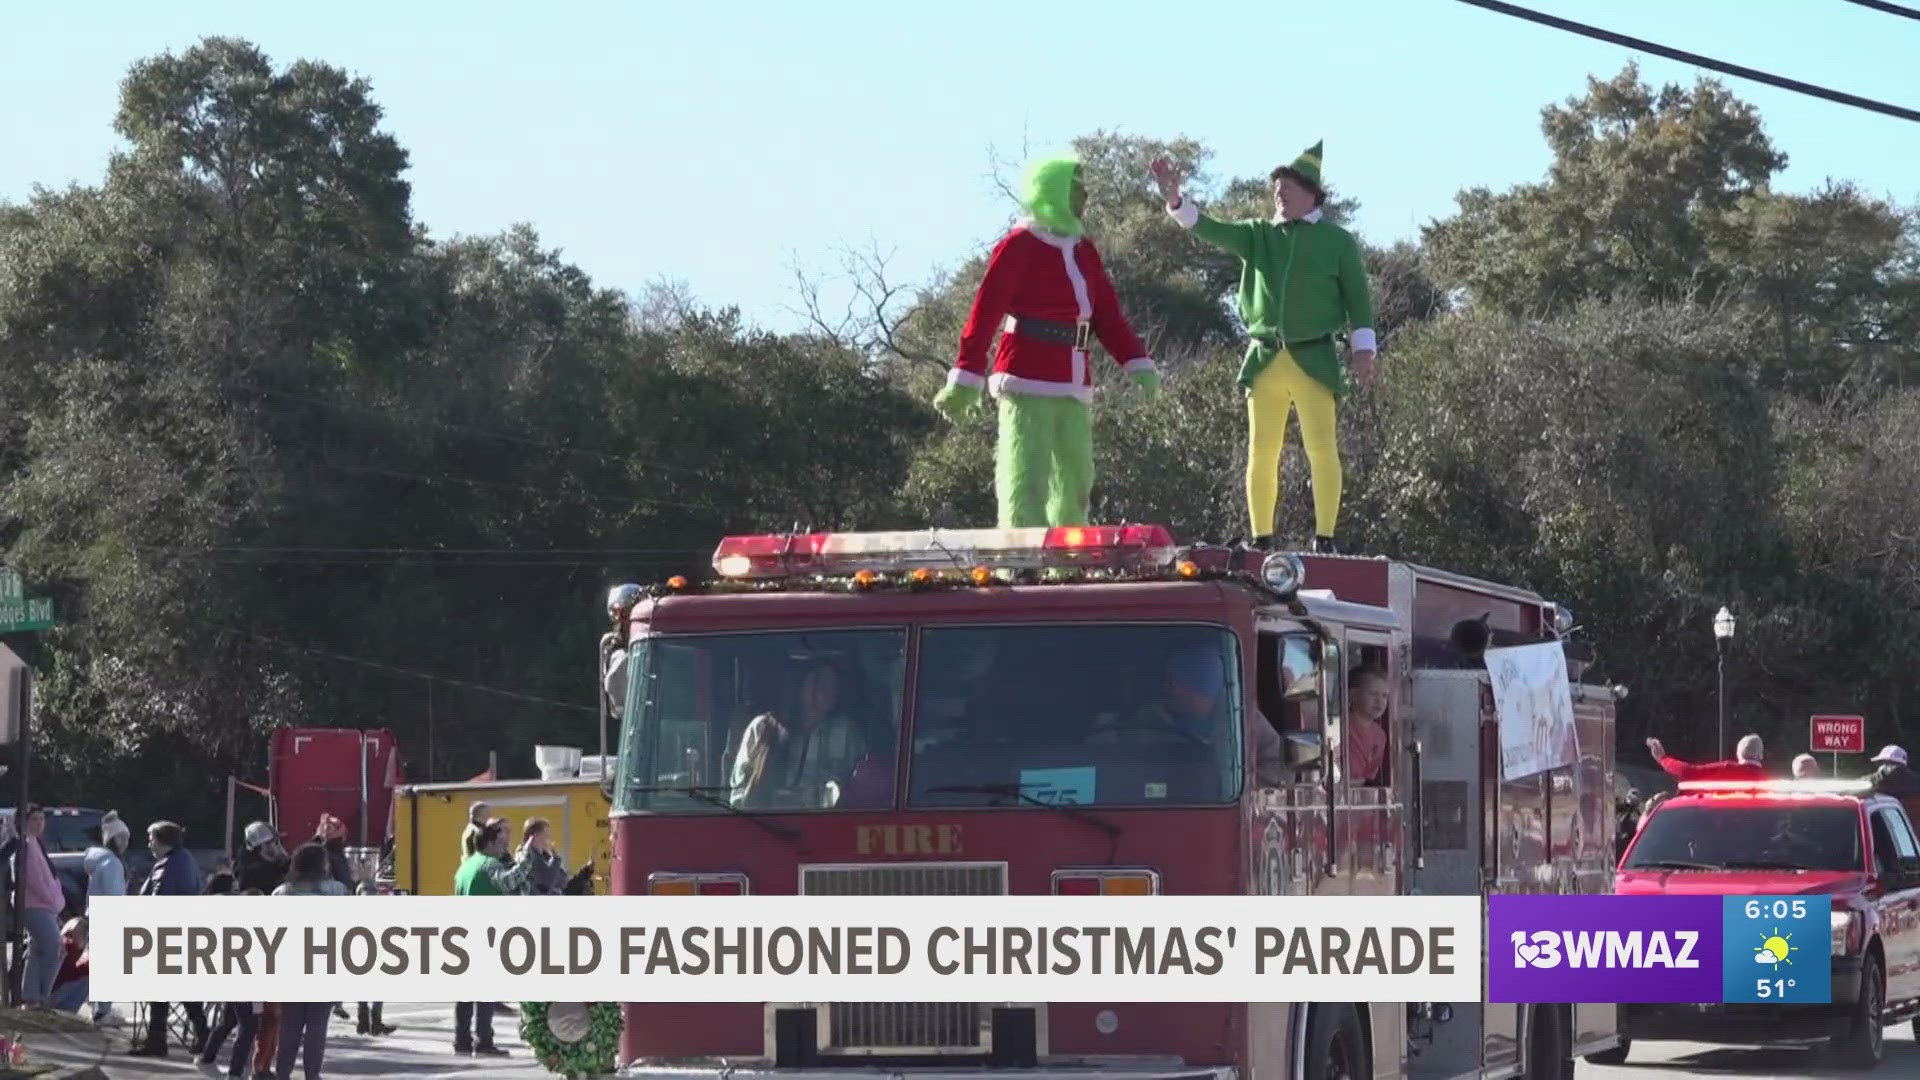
(1283, 387)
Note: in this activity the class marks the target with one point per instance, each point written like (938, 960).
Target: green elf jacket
(1314, 267)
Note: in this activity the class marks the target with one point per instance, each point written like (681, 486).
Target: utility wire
(393, 670)
(1891, 9)
(1698, 60)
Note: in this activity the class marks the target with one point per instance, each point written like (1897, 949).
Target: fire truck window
(1369, 725)
(1114, 715)
(767, 721)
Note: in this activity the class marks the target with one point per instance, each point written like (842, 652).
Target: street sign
(13, 695)
(1839, 734)
(20, 613)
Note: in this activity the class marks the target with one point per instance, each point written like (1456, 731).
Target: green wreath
(573, 1040)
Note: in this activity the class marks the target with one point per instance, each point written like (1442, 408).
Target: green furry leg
(1071, 489)
(1043, 470)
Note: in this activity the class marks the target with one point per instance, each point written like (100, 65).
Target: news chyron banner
(788, 948)
(1675, 950)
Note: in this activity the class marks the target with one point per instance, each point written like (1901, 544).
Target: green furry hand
(957, 403)
(1149, 383)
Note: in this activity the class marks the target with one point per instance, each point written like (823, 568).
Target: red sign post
(1839, 734)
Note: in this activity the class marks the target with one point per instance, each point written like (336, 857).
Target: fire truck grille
(912, 1027)
(906, 1026)
(954, 879)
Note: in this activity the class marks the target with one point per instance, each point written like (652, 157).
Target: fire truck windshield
(774, 721)
(1750, 835)
(1088, 714)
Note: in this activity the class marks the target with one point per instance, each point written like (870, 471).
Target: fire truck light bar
(1783, 787)
(1099, 546)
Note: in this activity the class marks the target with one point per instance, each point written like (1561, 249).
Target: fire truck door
(1445, 845)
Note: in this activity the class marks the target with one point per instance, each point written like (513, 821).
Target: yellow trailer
(428, 820)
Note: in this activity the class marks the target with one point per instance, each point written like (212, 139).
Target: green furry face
(1056, 196)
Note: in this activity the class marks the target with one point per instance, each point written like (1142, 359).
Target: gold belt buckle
(1080, 333)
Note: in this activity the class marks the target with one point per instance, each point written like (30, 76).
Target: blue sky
(719, 143)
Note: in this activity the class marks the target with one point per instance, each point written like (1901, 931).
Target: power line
(1698, 60)
(1891, 9)
(394, 670)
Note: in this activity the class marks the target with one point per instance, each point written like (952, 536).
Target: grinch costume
(1302, 284)
(1048, 294)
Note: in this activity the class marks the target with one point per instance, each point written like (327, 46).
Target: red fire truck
(1093, 711)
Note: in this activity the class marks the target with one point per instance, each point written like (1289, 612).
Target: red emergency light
(1775, 787)
(1110, 547)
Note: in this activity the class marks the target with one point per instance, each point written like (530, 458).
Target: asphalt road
(1677, 1060)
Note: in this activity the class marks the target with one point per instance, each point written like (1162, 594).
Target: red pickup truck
(1785, 837)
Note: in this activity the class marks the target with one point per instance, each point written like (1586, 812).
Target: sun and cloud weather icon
(1774, 950)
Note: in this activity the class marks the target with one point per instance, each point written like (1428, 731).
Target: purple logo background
(1584, 974)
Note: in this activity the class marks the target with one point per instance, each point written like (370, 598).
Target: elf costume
(1047, 290)
(1301, 284)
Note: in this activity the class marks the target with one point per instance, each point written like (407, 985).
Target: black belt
(1054, 333)
(1272, 341)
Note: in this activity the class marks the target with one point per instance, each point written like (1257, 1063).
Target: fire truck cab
(1099, 711)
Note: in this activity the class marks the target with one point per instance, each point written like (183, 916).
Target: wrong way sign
(1839, 734)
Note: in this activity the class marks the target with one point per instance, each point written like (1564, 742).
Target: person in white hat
(1806, 767)
(1893, 777)
(106, 865)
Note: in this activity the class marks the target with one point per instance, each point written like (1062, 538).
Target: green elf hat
(1048, 194)
(1306, 167)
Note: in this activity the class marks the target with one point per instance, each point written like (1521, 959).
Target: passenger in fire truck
(1188, 710)
(1749, 753)
(1367, 701)
(807, 760)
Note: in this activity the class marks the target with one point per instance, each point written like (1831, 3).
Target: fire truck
(1091, 711)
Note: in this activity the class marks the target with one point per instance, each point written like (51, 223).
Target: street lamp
(1722, 633)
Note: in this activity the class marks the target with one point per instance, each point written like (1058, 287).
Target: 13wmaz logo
(1605, 949)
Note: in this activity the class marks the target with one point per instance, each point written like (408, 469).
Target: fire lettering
(907, 839)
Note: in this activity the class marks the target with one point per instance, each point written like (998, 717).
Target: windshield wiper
(1016, 792)
(1764, 864)
(1674, 864)
(706, 795)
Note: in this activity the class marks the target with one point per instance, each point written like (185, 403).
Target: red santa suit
(1034, 274)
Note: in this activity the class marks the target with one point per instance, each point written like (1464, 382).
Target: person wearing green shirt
(485, 872)
(1302, 284)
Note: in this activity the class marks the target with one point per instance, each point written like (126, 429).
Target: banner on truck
(1534, 707)
(788, 948)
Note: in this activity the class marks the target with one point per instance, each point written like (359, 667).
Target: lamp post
(1722, 633)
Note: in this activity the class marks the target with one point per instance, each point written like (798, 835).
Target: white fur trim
(1363, 340)
(1003, 384)
(1311, 216)
(1078, 281)
(962, 377)
(1053, 238)
(1187, 214)
(1138, 363)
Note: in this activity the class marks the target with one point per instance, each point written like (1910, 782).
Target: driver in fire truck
(1188, 709)
(812, 755)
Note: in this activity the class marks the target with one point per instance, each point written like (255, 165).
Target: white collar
(1053, 238)
(1312, 216)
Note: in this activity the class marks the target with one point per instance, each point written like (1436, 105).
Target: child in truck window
(1367, 700)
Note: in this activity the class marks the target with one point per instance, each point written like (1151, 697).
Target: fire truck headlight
(1283, 573)
(1107, 1022)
